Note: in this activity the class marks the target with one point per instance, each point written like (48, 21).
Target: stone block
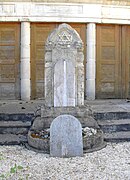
(66, 137)
(12, 139)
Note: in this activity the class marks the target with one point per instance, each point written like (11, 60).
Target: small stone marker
(66, 137)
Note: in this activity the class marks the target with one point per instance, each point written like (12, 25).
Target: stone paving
(17, 106)
(113, 105)
(13, 106)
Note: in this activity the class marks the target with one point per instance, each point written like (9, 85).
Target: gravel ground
(110, 163)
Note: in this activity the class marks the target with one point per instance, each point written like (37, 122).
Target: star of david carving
(64, 38)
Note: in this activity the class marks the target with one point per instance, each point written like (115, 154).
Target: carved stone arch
(64, 37)
(64, 71)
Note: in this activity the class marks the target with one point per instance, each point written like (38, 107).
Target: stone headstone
(64, 69)
(66, 137)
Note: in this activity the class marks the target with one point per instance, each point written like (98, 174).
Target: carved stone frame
(64, 37)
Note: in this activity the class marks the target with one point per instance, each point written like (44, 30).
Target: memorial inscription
(66, 137)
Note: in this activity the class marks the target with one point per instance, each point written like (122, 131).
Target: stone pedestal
(39, 134)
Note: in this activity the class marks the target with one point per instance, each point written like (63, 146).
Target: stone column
(25, 61)
(91, 61)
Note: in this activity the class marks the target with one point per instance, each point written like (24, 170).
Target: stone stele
(66, 137)
(64, 69)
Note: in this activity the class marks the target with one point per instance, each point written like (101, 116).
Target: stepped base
(91, 141)
(14, 128)
(110, 126)
(117, 137)
(111, 115)
(12, 139)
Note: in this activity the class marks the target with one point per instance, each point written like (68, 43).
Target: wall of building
(64, 12)
(108, 2)
(89, 13)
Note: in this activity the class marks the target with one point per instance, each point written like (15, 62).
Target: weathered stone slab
(64, 79)
(64, 69)
(66, 137)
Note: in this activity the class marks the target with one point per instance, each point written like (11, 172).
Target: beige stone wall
(112, 2)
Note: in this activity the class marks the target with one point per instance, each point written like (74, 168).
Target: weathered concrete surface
(113, 117)
(13, 106)
(12, 139)
(19, 107)
(103, 110)
(82, 113)
(112, 105)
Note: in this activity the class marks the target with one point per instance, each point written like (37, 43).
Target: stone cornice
(64, 12)
(105, 2)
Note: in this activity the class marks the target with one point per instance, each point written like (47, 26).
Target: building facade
(103, 25)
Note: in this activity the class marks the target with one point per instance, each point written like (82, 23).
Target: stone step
(121, 136)
(4, 124)
(16, 117)
(12, 139)
(111, 115)
(109, 126)
(14, 127)
(14, 130)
